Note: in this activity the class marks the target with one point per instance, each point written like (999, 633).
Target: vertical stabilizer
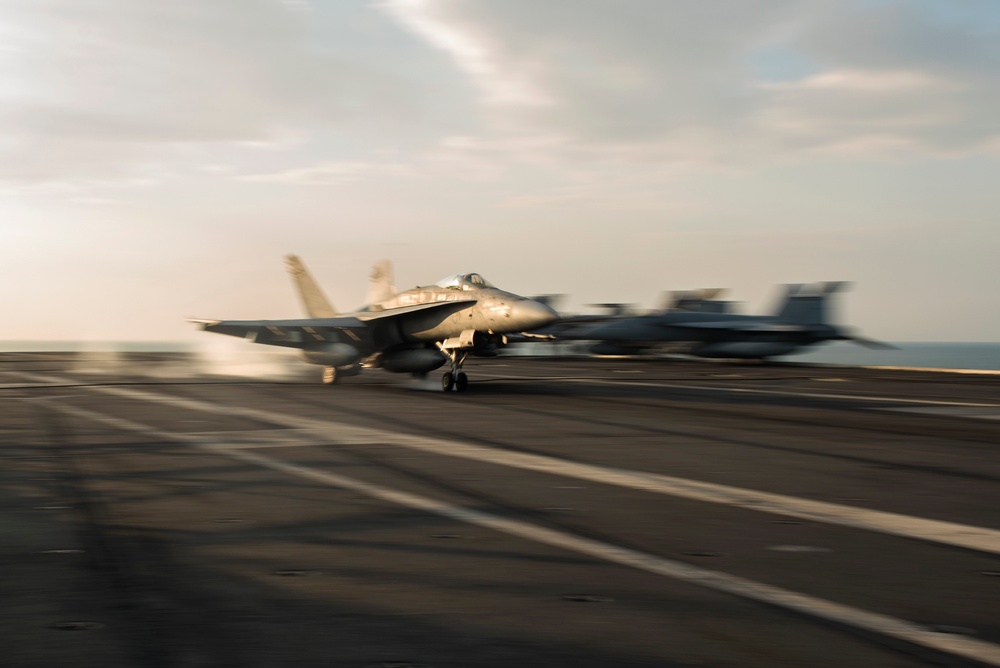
(787, 308)
(382, 286)
(313, 300)
(809, 305)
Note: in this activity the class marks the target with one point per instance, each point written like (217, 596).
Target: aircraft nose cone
(529, 314)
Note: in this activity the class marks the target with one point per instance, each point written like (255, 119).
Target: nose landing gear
(456, 378)
(457, 381)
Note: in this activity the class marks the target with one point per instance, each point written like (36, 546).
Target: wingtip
(873, 343)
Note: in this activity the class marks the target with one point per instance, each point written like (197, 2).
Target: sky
(157, 159)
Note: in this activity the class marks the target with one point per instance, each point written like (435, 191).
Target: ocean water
(984, 356)
(966, 356)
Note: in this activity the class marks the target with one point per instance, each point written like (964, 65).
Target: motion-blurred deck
(166, 510)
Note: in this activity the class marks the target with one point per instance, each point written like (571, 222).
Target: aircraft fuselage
(487, 310)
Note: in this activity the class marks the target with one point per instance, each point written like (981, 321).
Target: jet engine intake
(412, 360)
(332, 354)
(486, 345)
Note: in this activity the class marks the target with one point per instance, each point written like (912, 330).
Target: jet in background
(567, 327)
(415, 331)
(696, 323)
(702, 301)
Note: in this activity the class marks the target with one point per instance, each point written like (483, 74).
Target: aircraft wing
(303, 332)
(293, 333)
(366, 316)
(872, 343)
(751, 327)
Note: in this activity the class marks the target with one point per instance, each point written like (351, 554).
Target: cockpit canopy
(465, 282)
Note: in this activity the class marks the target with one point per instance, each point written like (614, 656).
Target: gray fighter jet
(415, 331)
(699, 325)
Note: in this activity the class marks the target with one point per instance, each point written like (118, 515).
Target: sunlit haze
(159, 158)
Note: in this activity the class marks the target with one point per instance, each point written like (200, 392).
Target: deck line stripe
(748, 390)
(966, 536)
(830, 611)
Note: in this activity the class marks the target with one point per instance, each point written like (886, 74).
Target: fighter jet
(697, 324)
(415, 331)
(705, 300)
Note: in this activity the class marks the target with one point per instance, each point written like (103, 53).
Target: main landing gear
(332, 375)
(456, 378)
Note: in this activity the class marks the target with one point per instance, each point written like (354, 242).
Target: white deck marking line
(748, 390)
(979, 372)
(749, 589)
(936, 531)
(950, 411)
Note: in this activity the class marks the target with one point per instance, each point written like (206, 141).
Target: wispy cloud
(675, 80)
(499, 80)
(96, 90)
(92, 88)
(331, 173)
(861, 81)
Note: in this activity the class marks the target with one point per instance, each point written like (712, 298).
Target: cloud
(472, 50)
(97, 201)
(676, 81)
(91, 88)
(861, 113)
(331, 173)
(858, 81)
(105, 91)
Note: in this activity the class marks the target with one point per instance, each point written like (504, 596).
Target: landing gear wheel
(330, 375)
(454, 378)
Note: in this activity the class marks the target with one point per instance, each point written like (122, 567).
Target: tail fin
(313, 300)
(787, 308)
(382, 286)
(808, 305)
(705, 300)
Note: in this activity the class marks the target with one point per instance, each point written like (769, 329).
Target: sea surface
(936, 355)
(983, 356)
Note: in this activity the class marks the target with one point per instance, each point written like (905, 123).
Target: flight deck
(561, 512)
